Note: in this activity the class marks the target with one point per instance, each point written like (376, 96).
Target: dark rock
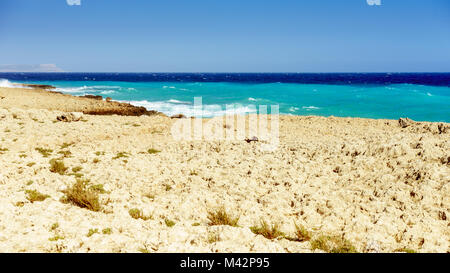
(74, 116)
(442, 215)
(405, 122)
(39, 86)
(253, 139)
(178, 116)
(442, 128)
(95, 97)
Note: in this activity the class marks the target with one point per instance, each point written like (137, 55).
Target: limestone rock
(74, 116)
(405, 122)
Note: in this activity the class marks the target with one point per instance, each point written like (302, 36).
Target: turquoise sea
(421, 102)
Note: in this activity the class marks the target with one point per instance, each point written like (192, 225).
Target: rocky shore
(117, 181)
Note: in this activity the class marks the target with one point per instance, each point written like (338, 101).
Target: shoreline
(357, 184)
(99, 105)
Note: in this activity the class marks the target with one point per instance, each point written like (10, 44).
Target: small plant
(196, 224)
(220, 217)
(29, 182)
(405, 250)
(268, 231)
(99, 153)
(96, 160)
(82, 197)
(65, 153)
(107, 231)
(213, 237)
(98, 188)
(54, 227)
(56, 238)
(57, 166)
(31, 164)
(92, 232)
(66, 145)
(19, 204)
(44, 152)
(77, 175)
(35, 196)
(77, 169)
(136, 125)
(150, 196)
(137, 214)
(301, 234)
(169, 223)
(120, 155)
(332, 244)
(144, 250)
(3, 150)
(168, 187)
(153, 151)
(22, 155)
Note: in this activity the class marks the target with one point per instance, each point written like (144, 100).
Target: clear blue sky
(227, 35)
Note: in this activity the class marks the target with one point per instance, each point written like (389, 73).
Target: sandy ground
(381, 187)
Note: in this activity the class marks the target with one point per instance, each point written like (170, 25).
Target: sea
(419, 96)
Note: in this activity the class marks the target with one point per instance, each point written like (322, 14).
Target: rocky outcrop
(69, 117)
(405, 122)
(95, 97)
(39, 86)
(178, 116)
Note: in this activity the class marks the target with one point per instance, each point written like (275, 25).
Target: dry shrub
(268, 231)
(82, 196)
(220, 218)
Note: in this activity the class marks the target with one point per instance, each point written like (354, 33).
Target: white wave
(81, 89)
(293, 109)
(92, 89)
(170, 108)
(106, 92)
(178, 101)
(8, 84)
(252, 99)
(169, 87)
(105, 87)
(429, 94)
(309, 108)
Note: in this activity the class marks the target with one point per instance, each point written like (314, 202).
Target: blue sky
(227, 36)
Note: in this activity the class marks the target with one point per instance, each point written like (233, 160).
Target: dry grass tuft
(82, 196)
(301, 234)
(44, 152)
(57, 166)
(332, 244)
(107, 231)
(169, 223)
(137, 214)
(120, 155)
(220, 217)
(405, 250)
(153, 151)
(92, 232)
(35, 196)
(268, 231)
